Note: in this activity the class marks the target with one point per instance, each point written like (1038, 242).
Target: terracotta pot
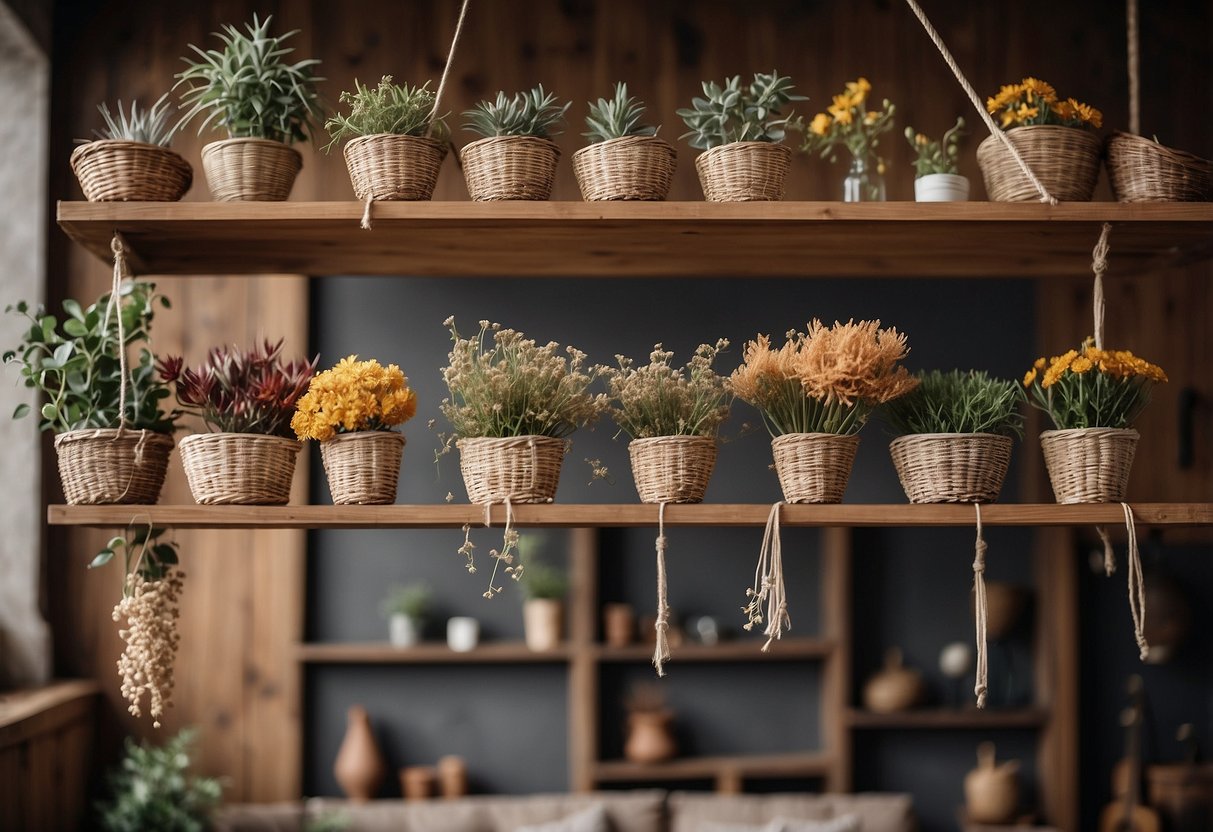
(618, 624)
(895, 688)
(543, 620)
(417, 782)
(650, 739)
(1004, 605)
(991, 790)
(453, 777)
(359, 767)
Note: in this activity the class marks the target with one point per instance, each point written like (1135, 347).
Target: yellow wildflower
(1081, 365)
(871, 117)
(1088, 114)
(857, 91)
(820, 124)
(1029, 377)
(353, 396)
(1040, 89)
(1039, 364)
(921, 140)
(1025, 112)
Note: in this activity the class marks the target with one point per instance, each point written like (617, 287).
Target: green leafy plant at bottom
(959, 402)
(153, 789)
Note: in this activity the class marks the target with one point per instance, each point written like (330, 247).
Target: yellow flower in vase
(820, 124)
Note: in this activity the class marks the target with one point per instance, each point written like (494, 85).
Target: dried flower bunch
(241, 391)
(660, 400)
(149, 125)
(827, 380)
(397, 109)
(1032, 101)
(1092, 388)
(354, 396)
(958, 402)
(936, 156)
(533, 113)
(616, 118)
(849, 123)
(732, 113)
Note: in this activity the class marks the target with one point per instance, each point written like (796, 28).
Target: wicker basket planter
(1064, 159)
(814, 467)
(672, 469)
(510, 167)
(110, 466)
(1089, 465)
(386, 166)
(363, 467)
(1141, 170)
(239, 468)
(631, 168)
(951, 467)
(113, 170)
(744, 172)
(524, 469)
(250, 170)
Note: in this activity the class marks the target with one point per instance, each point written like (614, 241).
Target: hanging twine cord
(995, 130)
(506, 543)
(661, 651)
(1134, 68)
(1109, 554)
(1137, 585)
(1099, 265)
(118, 247)
(769, 582)
(980, 611)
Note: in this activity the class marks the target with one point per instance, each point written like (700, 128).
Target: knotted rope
(1137, 585)
(995, 130)
(1134, 68)
(118, 247)
(1099, 266)
(769, 582)
(980, 611)
(661, 652)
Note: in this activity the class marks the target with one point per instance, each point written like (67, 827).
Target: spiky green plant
(388, 108)
(533, 113)
(248, 88)
(412, 600)
(732, 113)
(616, 118)
(153, 789)
(149, 125)
(959, 402)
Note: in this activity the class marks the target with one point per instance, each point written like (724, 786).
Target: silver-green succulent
(149, 125)
(733, 113)
(617, 117)
(533, 113)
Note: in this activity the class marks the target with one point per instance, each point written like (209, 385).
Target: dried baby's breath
(658, 399)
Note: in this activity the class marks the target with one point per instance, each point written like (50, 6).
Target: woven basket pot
(250, 170)
(112, 170)
(744, 172)
(525, 469)
(387, 166)
(245, 469)
(814, 467)
(510, 167)
(1089, 465)
(364, 467)
(1064, 159)
(110, 466)
(1141, 170)
(631, 167)
(951, 467)
(672, 469)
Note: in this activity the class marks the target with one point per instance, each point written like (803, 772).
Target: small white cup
(462, 633)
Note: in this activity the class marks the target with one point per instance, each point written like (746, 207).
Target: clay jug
(417, 782)
(618, 624)
(359, 767)
(991, 790)
(453, 777)
(894, 688)
(650, 739)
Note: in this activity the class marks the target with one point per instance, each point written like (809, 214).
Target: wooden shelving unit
(954, 719)
(728, 773)
(492, 652)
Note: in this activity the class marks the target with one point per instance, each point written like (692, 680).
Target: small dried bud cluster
(150, 608)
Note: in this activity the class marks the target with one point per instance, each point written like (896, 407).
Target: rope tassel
(980, 611)
(1137, 585)
(661, 652)
(769, 586)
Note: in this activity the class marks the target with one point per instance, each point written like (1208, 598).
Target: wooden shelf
(608, 515)
(704, 768)
(492, 652)
(670, 239)
(745, 650)
(990, 719)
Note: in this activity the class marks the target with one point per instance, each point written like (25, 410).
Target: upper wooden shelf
(639, 239)
(559, 515)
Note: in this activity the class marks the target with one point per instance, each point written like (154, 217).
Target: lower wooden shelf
(941, 718)
(788, 649)
(811, 764)
(493, 652)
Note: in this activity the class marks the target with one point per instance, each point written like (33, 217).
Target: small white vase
(543, 620)
(462, 633)
(404, 630)
(941, 187)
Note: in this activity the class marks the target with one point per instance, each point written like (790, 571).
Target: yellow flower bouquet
(848, 122)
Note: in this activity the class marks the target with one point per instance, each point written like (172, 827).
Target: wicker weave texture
(109, 466)
(627, 168)
(510, 167)
(239, 468)
(1145, 171)
(1089, 465)
(672, 469)
(250, 170)
(814, 467)
(363, 468)
(524, 469)
(113, 170)
(1064, 159)
(744, 172)
(386, 166)
(951, 467)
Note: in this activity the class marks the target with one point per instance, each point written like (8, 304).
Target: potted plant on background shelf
(130, 159)
(246, 399)
(516, 157)
(75, 365)
(351, 411)
(264, 102)
(848, 123)
(936, 177)
(625, 159)
(406, 607)
(394, 145)
(741, 130)
(543, 610)
(955, 436)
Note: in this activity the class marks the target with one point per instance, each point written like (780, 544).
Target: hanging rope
(980, 611)
(769, 582)
(1109, 554)
(118, 247)
(1099, 265)
(509, 540)
(661, 652)
(1134, 68)
(995, 130)
(1137, 585)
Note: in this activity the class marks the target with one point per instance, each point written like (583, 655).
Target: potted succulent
(515, 158)
(625, 159)
(849, 123)
(406, 607)
(153, 789)
(351, 411)
(246, 399)
(106, 454)
(263, 101)
(936, 177)
(130, 159)
(1092, 396)
(543, 611)
(955, 436)
(672, 416)
(394, 144)
(741, 130)
(1055, 137)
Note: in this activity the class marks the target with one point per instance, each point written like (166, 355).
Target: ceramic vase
(359, 767)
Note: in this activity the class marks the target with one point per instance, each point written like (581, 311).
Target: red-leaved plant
(241, 391)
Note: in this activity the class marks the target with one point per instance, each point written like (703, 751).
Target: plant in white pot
(543, 611)
(625, 159)
(516, 157)
(264, 102)
(936, 177)
(130, 159)
(406, 607)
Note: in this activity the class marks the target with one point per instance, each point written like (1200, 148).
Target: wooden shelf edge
(506, 652)
(697, 768)
(747, 650)
(948, 719)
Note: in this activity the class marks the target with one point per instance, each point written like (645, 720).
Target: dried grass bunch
(660, 400)
(959, 402)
